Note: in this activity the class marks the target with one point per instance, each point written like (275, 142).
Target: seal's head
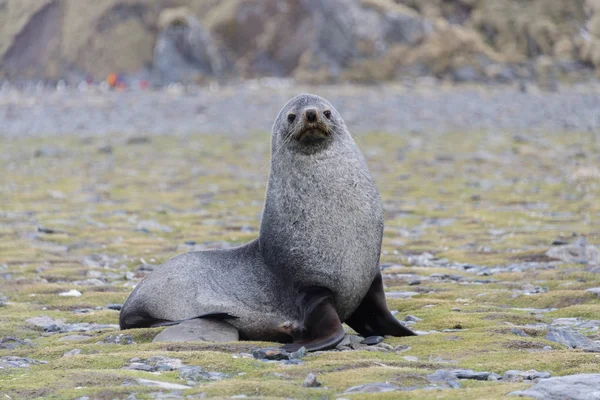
(307, 123)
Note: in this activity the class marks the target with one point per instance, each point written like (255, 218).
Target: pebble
(372, 388)
(595, 291)
(371, 340)
(73, 352)
(277, 354)
(195, 374)
(116, 307)
(140, 367)
(446, 378)
(71, 293)
(351, 341)
(118, 339)
(311, 381)
(12, 342)
(518, 332)
(74, 338)
(18, 362)
(401, 294)
(412, 318)
(162, 385)
(519, 376)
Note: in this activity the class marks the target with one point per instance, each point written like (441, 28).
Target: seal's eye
(291, 117)
(327, 114)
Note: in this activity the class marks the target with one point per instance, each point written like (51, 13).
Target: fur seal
(316, 261)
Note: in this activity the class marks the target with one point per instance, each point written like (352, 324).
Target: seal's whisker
(286, 141)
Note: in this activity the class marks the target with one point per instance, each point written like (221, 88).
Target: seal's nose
(311, 115)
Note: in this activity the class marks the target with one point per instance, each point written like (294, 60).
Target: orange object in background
(112, 80)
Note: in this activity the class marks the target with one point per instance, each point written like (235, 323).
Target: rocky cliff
(310, 40)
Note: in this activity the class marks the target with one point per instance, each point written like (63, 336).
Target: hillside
(310, 40)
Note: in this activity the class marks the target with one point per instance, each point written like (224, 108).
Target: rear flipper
(372, 317)
(144, 320)
(322, 328)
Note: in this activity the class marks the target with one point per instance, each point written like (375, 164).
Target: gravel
(427, 106)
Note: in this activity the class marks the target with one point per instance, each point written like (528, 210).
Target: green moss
(479, 199)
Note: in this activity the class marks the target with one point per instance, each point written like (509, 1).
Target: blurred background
(195, 41)
(135, 130)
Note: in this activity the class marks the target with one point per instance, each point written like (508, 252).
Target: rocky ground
(419, 106)
(490, 249)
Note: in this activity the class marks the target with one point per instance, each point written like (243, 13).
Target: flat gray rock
(401, 294)
(576, 253)
(162, 385)
(74, 338)
(572, 387)
(572, 338)
(199, 329)
(372, 388)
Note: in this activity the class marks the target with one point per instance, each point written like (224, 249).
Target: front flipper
(143, 320)
(372, 317)
(322, 328)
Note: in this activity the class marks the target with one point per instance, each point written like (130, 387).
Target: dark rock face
(184, 49)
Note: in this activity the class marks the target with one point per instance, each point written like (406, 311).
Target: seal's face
(307, 123)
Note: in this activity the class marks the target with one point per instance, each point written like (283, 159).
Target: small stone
(74, 338)
(372, 340)
(352, 341)
(18, 362)
(402, 348)
(372, 388)
(199, 329)
(118, 339)
(107, 149)
(73, 352)
(401, 294)
(12, 342)
(137, 366)
(190, 242)
(116, 307)
(162, 363)
(470, 374)
(518, 332)
(455, 309)
(193, 374)
(311, 381)
(411, 358)
(71, 293)
(298, 354)
(412, 318)
(595, 291)
(270, 354)
(162, 385)
(47, 231)
(414, 282)
(138, 140)
(444, 377)
(494, 377)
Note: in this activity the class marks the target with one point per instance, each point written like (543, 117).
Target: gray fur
(322, 226)
(323, 222)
